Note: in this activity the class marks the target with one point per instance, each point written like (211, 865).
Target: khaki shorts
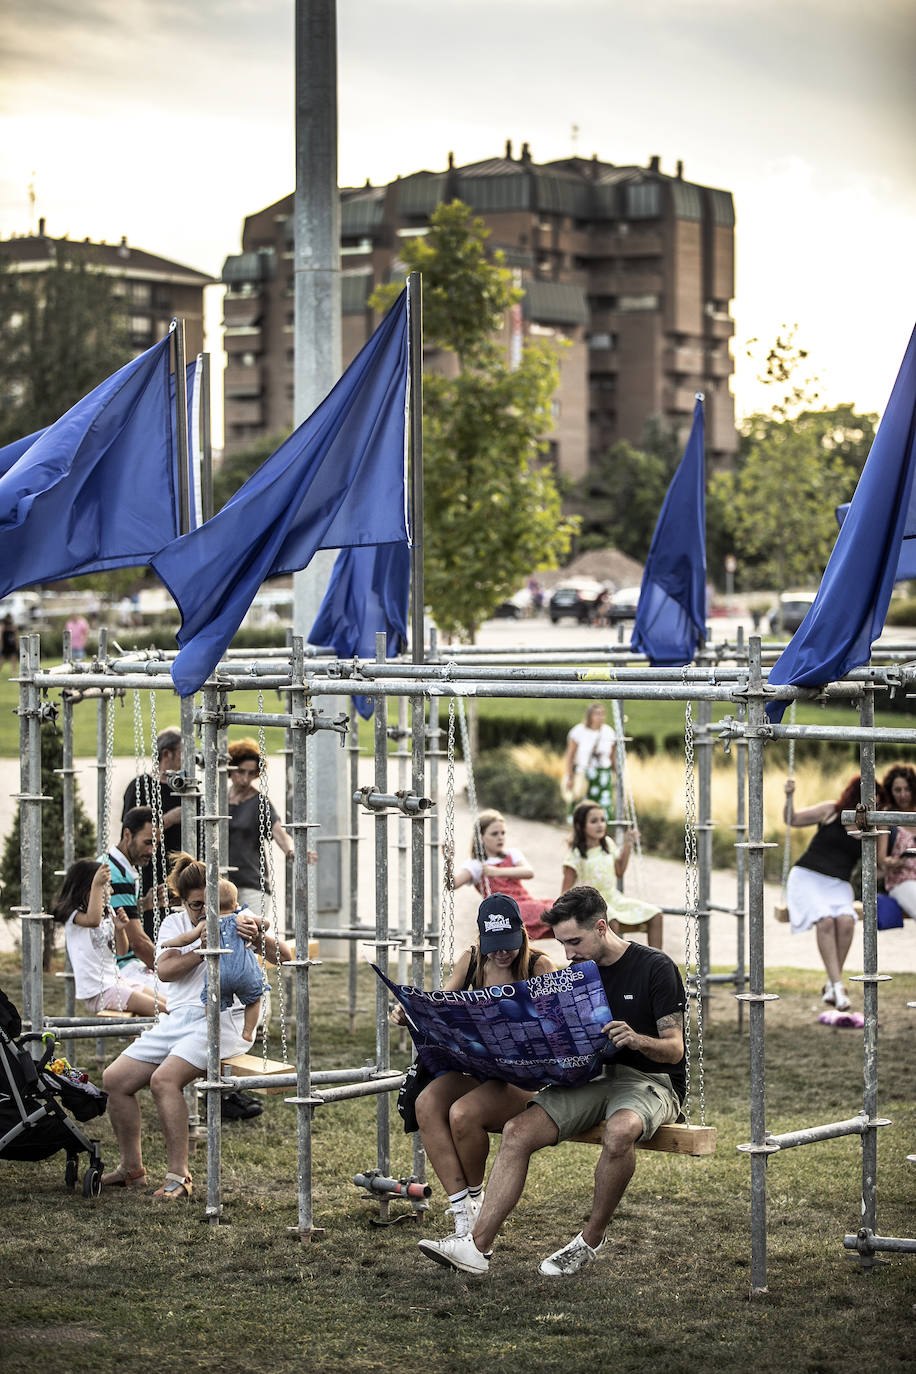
(574, 1110)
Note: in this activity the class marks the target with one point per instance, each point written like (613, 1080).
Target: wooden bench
(677, 1139)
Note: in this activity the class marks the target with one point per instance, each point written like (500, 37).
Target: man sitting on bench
(640, 1089)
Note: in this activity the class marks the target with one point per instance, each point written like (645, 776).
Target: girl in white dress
(595, 861)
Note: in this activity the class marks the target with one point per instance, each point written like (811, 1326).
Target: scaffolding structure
(732, 674)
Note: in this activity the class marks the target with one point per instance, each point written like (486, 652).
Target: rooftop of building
(35, 250)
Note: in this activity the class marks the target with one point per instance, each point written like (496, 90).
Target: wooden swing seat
(676, 1139)
(253, 1066)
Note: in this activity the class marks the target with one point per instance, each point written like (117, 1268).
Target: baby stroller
(37, 1106)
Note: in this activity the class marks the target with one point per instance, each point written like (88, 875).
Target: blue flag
(368, 593)
(906, 563)
(97, 489)
(848, 613)
(671, 614)
(338, 480)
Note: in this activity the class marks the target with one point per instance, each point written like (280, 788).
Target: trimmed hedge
(502, 785)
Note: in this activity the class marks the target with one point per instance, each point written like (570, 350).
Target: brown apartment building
(154, 290)
(632, 267)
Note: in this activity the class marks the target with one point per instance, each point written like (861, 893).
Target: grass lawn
(122, 1283)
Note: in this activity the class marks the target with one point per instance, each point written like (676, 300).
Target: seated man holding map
(640, 1090)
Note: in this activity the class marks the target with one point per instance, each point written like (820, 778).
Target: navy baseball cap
(500, 924)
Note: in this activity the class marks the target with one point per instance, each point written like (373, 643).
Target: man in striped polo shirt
(133, 851)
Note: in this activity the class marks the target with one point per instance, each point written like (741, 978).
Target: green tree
(492, 510)
(619, 500)
(52, 845)
(236, 468)
(784, 502)
(62, 332)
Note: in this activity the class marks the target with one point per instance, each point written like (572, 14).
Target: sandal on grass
(125, 1178)
(177, 1188)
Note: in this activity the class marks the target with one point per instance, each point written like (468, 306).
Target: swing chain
(787, 850)
(155, 802)
(691, 919)
(627, 802)
(266, 871)
(447, 919)
(472, 797)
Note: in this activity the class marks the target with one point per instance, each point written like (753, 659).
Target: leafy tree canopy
(492, 510)
(62, 332)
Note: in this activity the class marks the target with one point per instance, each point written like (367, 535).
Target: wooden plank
(252, 1066)
(313, 949)
(676, 1139)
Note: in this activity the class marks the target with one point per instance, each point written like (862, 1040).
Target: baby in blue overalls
(240, 973)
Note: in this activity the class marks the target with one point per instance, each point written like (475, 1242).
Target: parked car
(622, 605)
(577, 597)
(791, 610)
(519, 604)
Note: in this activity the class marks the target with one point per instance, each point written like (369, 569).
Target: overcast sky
(170, 120)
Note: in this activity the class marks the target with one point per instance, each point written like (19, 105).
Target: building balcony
(241, 382)
(680, 398)
(628, 283)
(720, 326)
(603, 360)
(243, 412)
(241, 310)
(720, 365)
(684, 359)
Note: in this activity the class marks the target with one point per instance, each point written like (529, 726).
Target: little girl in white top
(94, 938)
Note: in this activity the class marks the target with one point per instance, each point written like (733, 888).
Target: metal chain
(691, 919)
(105, 845)
(266, 869)
(628, 799)
(155, 792)
(447, 917)
(787, 850)
(472, 794)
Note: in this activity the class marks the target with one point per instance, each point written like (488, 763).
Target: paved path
(545, 847)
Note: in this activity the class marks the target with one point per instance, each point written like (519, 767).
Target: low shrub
(528, 793)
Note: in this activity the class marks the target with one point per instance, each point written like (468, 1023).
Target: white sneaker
(456, 1252)
(573, 1257)
(842, 1002)
(829, 996)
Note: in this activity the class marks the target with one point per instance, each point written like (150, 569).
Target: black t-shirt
(643, 986)
(248, 827)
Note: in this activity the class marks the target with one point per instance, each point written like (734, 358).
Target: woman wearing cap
(456, 1112)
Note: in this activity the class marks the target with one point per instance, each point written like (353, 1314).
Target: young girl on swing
(493, 868)
(595, 861)
(94, 936)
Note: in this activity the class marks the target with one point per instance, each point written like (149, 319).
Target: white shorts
(813, 896)
(183, 1033)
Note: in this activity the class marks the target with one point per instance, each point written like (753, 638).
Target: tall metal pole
(415, 350)
(316, 268)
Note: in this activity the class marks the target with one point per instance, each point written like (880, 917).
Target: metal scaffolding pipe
(788, 1140)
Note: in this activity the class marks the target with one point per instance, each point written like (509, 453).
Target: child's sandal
(177, 1188)
(125, 1178)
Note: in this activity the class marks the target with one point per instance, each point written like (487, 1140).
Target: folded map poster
(544, 1030)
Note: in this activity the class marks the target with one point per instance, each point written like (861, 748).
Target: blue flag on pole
(906, 563)
(97, 489)
(671, 614)
(368, 593)
(848, 613)
(338, 480)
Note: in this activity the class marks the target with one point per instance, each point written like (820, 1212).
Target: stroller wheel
(92, 1181)
(71, 1173)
